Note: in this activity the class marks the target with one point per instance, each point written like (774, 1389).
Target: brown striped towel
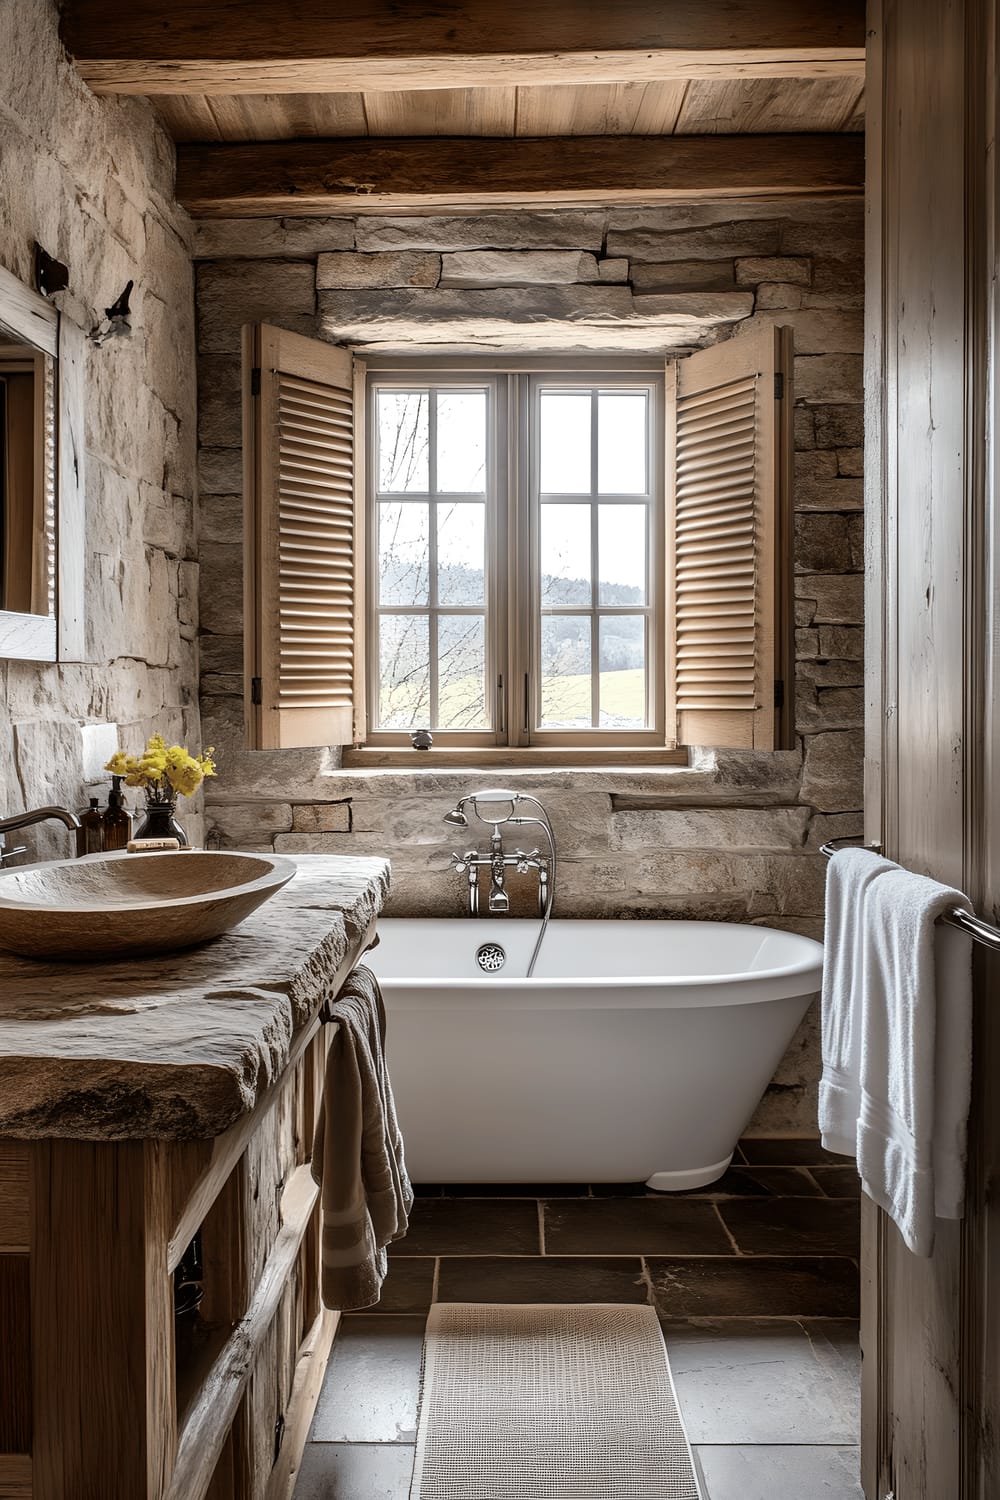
(358, 1151)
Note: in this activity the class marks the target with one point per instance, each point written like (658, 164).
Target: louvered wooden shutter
(728, 547)
(302, 534)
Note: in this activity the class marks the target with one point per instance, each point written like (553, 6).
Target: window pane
(565, 442)
(621, 551)
(621, 443)
(461, 552)
(404, 672)
(622, 671)
(462, 672)
(565, 554)
(402, 442)
(402, 552)
(566, 678)
(461, 442)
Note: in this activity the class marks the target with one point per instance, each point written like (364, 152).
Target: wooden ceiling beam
(259, 47)
(372, 175)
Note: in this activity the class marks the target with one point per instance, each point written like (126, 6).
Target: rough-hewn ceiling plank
(416, 174)
(257, 46)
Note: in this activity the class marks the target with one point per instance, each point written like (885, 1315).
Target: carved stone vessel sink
(120, 905)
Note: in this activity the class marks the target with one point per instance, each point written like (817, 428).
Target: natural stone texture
(841, 640)
(220, 411)
(711, 828)
(830, 708)
(794, 269)
(612, 270)
(819, 332)
(237, 826)
(805, 427)
(829, 494)
(220, 518)
(180, 1046)
(486, 268)
(242, 239)
(842, 240)
(840, 426)
(822, 544)
(709, 242)
(794, 881)
(820, 463)
(220, 471)
(828, 378)
(830, 672)
(778, 294)
(221, 654)
(826, 826)
(520, 231)
(402, 268)
(221, 593)
(323, 817)
(685, 275)
(850, 461)
(714, 307)
(833, 599)
(231, 293)
(832, 774)
(595, 316)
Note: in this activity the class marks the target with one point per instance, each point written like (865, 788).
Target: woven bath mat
(530, 1402)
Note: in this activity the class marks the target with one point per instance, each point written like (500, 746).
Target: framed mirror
(41, 478)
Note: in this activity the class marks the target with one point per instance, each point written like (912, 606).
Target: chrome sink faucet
(26, 819)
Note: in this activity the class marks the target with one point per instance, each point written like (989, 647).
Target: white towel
(916, 1054)
(849, 878)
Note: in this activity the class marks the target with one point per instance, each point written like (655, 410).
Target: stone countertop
(181, 1045)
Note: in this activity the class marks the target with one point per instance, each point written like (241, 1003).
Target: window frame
(512, 610)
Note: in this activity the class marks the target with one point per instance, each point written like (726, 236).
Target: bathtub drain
(491, 957)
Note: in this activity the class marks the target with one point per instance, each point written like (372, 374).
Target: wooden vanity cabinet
(104, 1395)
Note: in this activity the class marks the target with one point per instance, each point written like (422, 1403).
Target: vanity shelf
(104, 1394)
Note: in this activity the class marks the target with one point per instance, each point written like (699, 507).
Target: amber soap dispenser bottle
(117, 820)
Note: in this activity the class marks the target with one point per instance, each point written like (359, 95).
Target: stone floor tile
(516, 1190)
(747, 1286)
(355, 1471)
(409, 1286)
(372, 1385)
(786, 1151)
(633, 1226)
(793, 1226)
(758, 1381)
(838, 1182)
(470, 1226)
(779, 1473)
(537, 1279)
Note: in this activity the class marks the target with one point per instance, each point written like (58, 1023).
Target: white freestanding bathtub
(638, 1050)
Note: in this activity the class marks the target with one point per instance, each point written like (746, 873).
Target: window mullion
(432, 558)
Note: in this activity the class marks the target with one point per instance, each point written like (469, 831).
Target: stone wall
(732, 837)
(92, 180)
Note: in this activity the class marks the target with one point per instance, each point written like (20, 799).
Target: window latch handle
(501, 706)
(527, 703)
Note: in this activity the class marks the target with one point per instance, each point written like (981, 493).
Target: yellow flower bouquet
(164, 772)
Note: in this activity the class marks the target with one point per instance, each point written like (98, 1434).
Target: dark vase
(160, 823)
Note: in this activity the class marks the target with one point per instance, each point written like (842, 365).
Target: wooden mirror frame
(59, 634)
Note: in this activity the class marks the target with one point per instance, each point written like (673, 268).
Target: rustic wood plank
(15, 1197)
(254, 47)
(15, 1355)
(753, 105)
(309, 1372)
(102, 1322)
(365, 176)
(15, 1476)
(599, 109)
(488, 112)
(211, 1414)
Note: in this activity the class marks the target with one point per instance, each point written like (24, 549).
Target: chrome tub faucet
(496, 858)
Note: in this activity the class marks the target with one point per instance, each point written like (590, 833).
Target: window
(493, 554)
(512, 592)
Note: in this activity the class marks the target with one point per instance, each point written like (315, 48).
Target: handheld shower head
(457, 817)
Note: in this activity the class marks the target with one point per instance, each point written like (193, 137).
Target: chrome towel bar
(966, 921)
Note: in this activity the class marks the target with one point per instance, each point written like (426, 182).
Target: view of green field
(565, 701)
